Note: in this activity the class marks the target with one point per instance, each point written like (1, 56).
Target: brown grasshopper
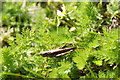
(59, 51)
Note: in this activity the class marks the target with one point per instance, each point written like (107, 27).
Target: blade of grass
(15, 74)
(40, 75)
(92, 73)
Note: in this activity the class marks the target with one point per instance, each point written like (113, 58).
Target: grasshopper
(59, 51)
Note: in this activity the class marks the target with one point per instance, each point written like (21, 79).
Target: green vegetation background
(28, 29)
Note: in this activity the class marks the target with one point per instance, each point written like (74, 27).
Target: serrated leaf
(66, 65)
(80, 62)
(94, 44)
(81, 58)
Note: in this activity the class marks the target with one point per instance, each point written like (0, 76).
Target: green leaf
(101, 75)
(64, 76)
(80, 62)
(94, 44)
(98, 62)
(54, 74)
(66, 65)
(80, 58)
(35, 73)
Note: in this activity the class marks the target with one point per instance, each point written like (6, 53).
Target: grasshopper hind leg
(64, 53)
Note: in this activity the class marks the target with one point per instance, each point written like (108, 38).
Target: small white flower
(72, 29)
(60, 14)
